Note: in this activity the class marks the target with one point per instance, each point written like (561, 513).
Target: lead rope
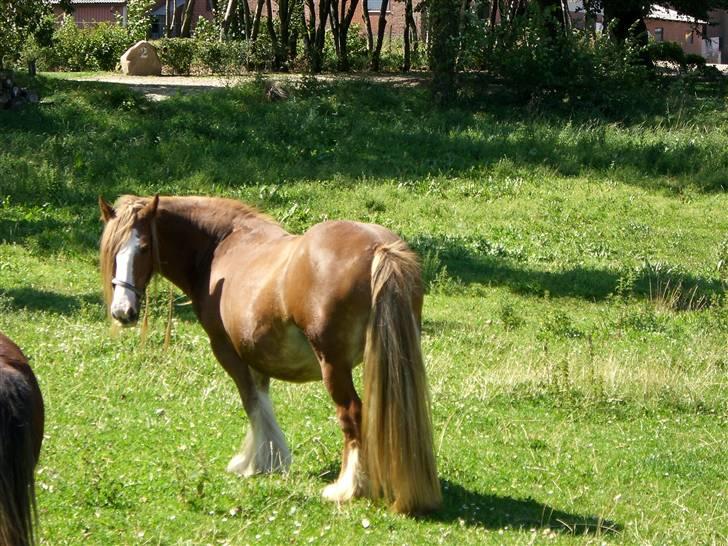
(168, 329)
(155, 268)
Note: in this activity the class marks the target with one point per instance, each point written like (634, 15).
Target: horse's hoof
(240, 465)
(336, 492)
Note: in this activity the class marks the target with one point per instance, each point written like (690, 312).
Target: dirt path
(163, 87)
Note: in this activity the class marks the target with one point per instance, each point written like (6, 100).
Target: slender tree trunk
(272, 34)
(407, 61)
(368, 26)
(410, 35)
(175, 19)
(381, 25)
(167, 21)
(227, 18)
(187, 19)
(493, 15)
(247, 20)
(256, 21)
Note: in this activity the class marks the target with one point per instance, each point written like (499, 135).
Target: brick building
(667, 25)
(91, 12)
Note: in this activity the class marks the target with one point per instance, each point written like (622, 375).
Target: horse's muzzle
(128, 317)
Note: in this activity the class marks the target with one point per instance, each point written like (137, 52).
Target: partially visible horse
(296, 308)
(21, 435)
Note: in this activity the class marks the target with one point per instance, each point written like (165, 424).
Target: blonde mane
(115, 234)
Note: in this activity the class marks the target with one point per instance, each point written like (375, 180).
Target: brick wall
(89, 15)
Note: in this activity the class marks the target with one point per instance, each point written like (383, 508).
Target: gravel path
(162, 87)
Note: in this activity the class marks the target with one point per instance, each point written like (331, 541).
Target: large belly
(283, 353)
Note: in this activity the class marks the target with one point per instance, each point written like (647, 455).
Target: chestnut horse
(21, 434)
(296, 308)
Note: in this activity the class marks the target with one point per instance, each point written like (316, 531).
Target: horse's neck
(188, 236)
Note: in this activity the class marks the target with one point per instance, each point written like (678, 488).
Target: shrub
(695, 60)
(95, 48)
(670, 52)
(176, 53)
(566, 70)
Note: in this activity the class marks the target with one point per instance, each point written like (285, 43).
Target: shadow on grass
(42, 300)
(351, 129)
(496, 512)
(476, 266)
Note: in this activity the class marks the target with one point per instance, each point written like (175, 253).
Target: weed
(508, 316)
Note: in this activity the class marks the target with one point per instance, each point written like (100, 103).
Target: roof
(666, 14)
(83, 2)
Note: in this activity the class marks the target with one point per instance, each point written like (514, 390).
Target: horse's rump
(21, 409)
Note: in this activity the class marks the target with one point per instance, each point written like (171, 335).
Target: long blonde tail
(396, 424)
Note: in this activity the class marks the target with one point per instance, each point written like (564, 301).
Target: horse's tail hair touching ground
(17, 460)
(396, 425)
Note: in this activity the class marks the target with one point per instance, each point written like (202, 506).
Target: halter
(127, 285)
(155, 265)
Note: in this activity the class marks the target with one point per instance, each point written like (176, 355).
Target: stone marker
(141, 59)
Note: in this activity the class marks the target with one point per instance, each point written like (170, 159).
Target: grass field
(575, 330)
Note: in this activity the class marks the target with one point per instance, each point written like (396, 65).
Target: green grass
(575, 330)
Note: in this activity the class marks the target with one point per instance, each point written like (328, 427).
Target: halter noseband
(127, 285)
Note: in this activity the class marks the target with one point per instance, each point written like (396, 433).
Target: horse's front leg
(264, 448)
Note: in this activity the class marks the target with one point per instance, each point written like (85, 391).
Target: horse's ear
(151, 208)
(107, 211)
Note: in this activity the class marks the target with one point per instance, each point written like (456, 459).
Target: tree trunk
(187, 19)
(256, 21)
(368, 26)
(272, 34)
(341, 15)
(443, 49)
(630, 22)
(227, 19)
(167, 21)
(381, 25)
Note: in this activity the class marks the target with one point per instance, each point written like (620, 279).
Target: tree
(314, 31)
(375, 48)
(283, 36)
(342, 13)
(139, 18)
(444, 40)
(20, 19)
(411, 38)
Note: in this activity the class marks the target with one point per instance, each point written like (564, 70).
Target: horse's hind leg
(351, 481)
(264, 448)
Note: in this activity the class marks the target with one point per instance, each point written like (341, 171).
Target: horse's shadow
(32, 299)
(474, 509)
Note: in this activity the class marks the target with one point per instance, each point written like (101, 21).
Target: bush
(670, 52)
(176, 53)
(575, 69)
(95, 48)
(695, 60)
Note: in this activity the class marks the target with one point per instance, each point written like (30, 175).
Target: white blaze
(124, 299)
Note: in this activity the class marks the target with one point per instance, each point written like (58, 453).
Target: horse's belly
(287, 355)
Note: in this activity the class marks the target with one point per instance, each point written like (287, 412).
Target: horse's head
(127, 254)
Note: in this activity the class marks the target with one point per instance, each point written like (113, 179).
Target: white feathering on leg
(264, 449)
(351, 482)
